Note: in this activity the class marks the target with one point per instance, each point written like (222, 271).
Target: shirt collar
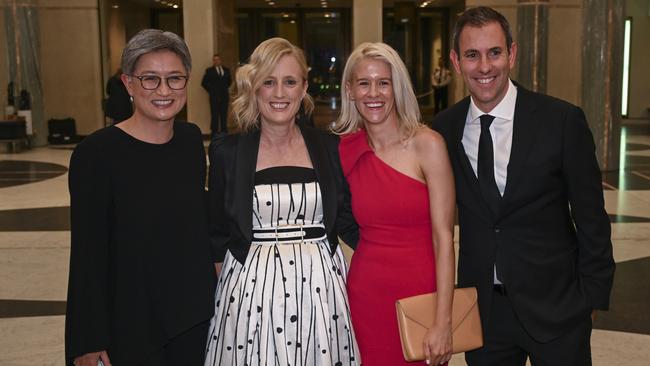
(505, 110)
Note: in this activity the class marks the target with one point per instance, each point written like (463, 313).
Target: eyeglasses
(152, 82)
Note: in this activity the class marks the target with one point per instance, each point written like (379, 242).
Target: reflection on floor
(35, 237)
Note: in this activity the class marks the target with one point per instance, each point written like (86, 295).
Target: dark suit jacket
(233, 159)
(217, 86)
(550, 239)
(118, 105)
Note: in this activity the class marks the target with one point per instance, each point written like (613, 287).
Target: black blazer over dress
(233, 160)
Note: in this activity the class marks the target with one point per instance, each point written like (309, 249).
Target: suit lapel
(458, 128)
(245, 163)
(320, 160)
(524, 131)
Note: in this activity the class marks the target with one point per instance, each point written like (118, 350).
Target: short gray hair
(152, 40)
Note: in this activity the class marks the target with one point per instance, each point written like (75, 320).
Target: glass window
(325, 51)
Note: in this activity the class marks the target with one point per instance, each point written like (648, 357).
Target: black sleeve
(87, 322)
(218, 223)
(346, 225)
(200, 153)
(437, 125)
(583, 180)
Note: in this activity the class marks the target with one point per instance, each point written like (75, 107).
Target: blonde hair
(251, 76)
(408, 111)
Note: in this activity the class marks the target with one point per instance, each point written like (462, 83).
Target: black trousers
(219, 115)
(440, 98)
(506, 342)
(186, 349)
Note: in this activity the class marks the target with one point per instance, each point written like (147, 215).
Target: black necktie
(485, 168)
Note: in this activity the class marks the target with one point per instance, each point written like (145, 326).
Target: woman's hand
(92, 359)
(437, 345)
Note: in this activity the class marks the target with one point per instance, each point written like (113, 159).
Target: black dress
(140, 266)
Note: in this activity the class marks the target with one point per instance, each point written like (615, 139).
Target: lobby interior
(582, 59)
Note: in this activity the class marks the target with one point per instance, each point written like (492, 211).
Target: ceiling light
(175, 6)
(115, 6)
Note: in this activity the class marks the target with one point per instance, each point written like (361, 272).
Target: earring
(131, 98)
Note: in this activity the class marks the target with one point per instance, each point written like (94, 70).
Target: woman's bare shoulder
(427, 140)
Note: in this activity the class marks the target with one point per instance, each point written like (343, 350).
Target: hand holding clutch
(415, 315)
(437, 344)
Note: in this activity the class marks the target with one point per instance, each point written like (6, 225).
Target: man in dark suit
(118, 104)
(534, 234)
(216, 82)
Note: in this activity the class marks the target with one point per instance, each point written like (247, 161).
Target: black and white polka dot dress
(287, 304)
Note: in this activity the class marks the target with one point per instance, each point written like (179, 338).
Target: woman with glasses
(277, 202)
(141, 280)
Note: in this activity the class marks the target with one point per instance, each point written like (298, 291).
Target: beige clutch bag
(416, 314)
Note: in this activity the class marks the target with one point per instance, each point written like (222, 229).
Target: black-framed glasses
(152, 82)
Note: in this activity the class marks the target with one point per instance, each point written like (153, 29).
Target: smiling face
(280, 95)
(163, 103)
(371, 90)
(484, 62)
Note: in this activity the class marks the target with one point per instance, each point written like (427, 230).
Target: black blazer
(216, 85)
(550, 239)
(233, 159)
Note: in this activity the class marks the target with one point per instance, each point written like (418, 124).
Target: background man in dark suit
(216, 82)
(440, 80)
(118, 104)
(534, 234)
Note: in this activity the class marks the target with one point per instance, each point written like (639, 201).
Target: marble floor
(35, 241)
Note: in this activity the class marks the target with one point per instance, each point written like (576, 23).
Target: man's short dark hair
(479, 17)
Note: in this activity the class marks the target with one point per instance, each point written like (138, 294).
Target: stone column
(226, 41)
(602, 59)
(366, 21)
(226, 33)
(532, 42)
(199, 32)
(209, 27)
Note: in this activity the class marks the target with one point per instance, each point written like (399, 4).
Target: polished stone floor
(35, 241)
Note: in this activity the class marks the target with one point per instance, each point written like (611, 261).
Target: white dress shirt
(501, 132)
